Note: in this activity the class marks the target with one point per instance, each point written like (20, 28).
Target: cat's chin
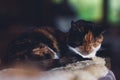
(85, 54)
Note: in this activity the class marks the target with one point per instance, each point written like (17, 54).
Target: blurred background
(18, 16)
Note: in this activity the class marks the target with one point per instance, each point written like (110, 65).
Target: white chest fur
(90, 55)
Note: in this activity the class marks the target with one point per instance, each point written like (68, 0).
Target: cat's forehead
(87, 26)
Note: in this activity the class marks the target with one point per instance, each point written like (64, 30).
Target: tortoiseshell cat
(82, 42)
(85, 38)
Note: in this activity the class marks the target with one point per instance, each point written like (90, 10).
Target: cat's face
(85, 37)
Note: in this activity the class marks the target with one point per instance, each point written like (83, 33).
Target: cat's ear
(104, 29)
(101, 29)
(73, 26)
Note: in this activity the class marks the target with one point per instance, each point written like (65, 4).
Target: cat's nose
(87, 52)
(86, 49)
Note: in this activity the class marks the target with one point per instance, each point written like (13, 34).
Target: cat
(85, 38)
(81, 42)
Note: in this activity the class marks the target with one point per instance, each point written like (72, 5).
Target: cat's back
(34, 44)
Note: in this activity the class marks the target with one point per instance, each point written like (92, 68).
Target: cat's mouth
(84, 51)
(88, 53)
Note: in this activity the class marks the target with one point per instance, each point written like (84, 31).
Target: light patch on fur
(90, 55)
(99, 68)
(55, 54)
(44, 49)
(81, 70)
(68, 75)
(93, 69)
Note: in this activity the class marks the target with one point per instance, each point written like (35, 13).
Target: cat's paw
(43, 51)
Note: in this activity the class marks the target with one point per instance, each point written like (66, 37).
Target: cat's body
(81, 43)
(41, 43)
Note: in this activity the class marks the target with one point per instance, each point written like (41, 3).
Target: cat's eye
(81, 29)
(78, 42)
(99, 38)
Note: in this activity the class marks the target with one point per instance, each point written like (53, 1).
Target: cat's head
(86, 37)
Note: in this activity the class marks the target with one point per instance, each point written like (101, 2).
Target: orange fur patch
(98, 41)
(42, 50)
(89, 42)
